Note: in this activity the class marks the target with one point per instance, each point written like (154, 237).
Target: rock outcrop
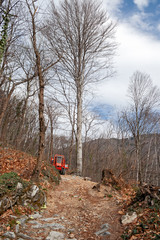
(31, 195)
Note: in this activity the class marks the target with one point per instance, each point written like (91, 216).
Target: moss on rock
(9, 181)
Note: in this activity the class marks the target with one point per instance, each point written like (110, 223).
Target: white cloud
(136, 52)
(158, 27)
(139, 20)
(113, 6)
(141, 4)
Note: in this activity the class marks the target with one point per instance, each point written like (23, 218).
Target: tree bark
(5, 105)
(79, 131)
(42, 128)
(72, 138)
(147, 160)
(51, 142)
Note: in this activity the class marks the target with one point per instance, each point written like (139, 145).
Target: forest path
(74, 211)
(84, 210)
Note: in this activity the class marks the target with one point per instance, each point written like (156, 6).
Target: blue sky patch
(146, 19)
(104, 111)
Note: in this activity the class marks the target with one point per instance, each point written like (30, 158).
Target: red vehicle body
(60, 163)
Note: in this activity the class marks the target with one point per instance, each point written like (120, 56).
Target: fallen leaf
(8, 228)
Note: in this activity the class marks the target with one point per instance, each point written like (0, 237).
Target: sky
(138, 37)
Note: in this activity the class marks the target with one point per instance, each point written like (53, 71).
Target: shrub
(9, 181)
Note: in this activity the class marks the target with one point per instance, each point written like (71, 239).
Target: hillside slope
(12, 160)
(74, 211)
(16, 161)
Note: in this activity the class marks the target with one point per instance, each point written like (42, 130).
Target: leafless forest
(49, 60)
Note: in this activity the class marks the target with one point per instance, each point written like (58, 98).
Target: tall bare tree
(53, 114)
(33, 11)
(65, 98)
(41, 66)
(142, 114)
(82, 33)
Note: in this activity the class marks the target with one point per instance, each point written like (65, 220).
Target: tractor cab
(60, 163)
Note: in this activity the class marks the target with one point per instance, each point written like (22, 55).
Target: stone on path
(55, 236)
(24, 236)
(35, 216)
(104, 230)
(128, 218)
(54, 226)
(9, 235)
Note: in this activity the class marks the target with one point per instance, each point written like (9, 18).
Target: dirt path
(84, 209)
(74, 211)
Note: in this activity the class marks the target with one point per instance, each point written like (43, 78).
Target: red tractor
(60, 163)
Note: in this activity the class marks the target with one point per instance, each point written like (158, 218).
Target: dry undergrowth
(85, 208)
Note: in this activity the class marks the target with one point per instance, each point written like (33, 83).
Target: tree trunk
(41, 130)
(36, 172)
(51, 142)
(5, 105)
(156, 162)
(147, 160)
(21, 127)
(71, 147)
(72, 138)
(79, 131)
(138, 157)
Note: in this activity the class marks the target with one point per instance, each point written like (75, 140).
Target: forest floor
(75, 210)
(80, 212)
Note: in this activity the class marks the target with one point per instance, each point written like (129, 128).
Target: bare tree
(10, 34)
(53, 113)
(20, 124)
(32, 11)
(141, 116)
(41, 67)
(81, 32)
(63, 95)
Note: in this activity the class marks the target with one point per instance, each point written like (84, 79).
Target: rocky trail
(74, 211)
